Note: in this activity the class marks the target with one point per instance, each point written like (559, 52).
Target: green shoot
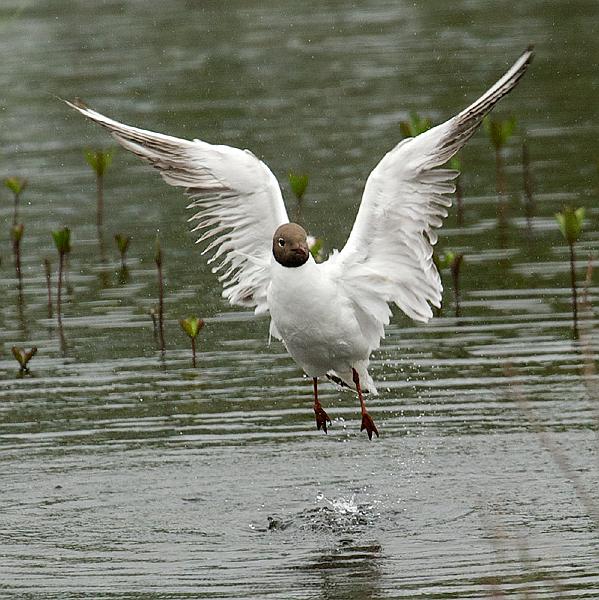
(499, 131)
(298, 183)
(452, 261)
(414, 126)
(191, 326)
(99, 161)
(315, 245)
(23, 357)
(122, 242)
(570, 223)
(16, 185)
(62, 240)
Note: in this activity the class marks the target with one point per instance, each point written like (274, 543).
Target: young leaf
(22, 356)
(499, 131)
(570, 223)
(122, 242)
(298, 183)
(445, 260)
(415, 126)
(15, 184)
(62, 240)
(191, 326)
(98, 160)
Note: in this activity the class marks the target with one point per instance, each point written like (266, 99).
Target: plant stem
(458, 197)
(193, 352)
(100, 202)
(160, 305)
(499, 174)
(15, 214)
(455, 274)
(59, 290)
(16, 248)
(527, 181)
(49, 286)
(573, 284)
(501, 189)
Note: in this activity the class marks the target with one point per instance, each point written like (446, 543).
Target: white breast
(315, 319)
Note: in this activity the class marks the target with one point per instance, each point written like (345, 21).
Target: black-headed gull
(330, 316)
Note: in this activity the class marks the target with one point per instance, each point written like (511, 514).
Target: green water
(125, 473)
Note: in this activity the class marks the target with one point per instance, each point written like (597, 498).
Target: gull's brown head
(290, 245)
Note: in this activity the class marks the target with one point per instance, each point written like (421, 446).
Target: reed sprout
(192, 326)
(570, 221)
(298, 182)
(452, 261)
(16, 185)
(499, 132)
(316, 247)
(122, 242)
(414, 126)
(62, 241)
(23, 357)
(99, 161)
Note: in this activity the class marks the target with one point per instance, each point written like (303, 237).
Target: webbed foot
(321, 418)
(368, 424)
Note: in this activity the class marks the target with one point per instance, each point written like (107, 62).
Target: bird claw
(321, 418)
(368, 424)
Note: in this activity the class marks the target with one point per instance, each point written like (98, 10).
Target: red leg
(367, 422)
(321, 416)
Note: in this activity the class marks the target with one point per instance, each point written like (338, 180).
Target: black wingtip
(530, 50)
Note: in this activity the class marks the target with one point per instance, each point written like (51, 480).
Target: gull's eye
(281, 242)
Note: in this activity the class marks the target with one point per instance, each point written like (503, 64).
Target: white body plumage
(314, 317)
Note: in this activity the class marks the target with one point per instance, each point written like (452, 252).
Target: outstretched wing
(238, 201)
(388, 256)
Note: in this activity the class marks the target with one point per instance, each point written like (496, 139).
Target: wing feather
(236, 197)
(388, 255)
